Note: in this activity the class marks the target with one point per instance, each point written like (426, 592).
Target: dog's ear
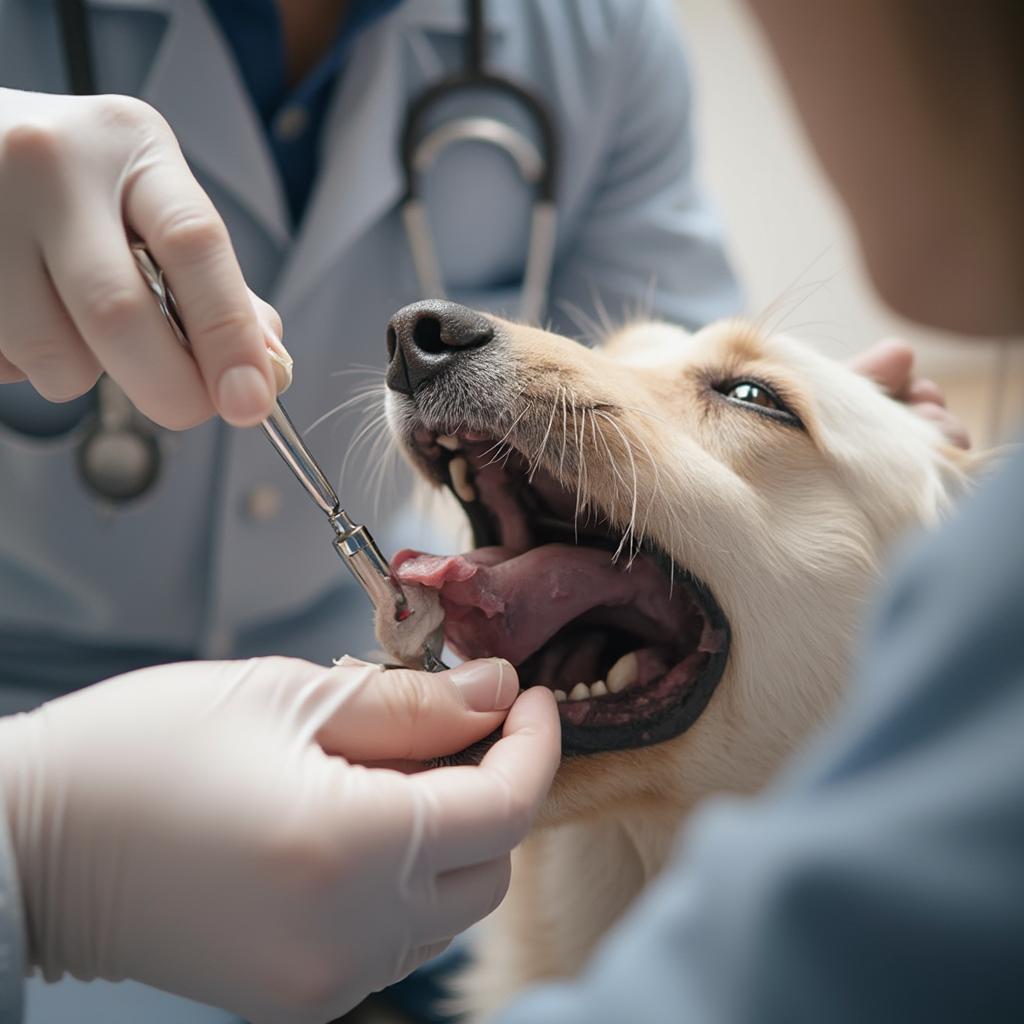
(975, 463)
(960, 470)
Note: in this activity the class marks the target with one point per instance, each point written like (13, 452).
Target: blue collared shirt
(292, 115)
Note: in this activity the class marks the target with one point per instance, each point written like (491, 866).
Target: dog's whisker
(565, 432)
(383, 455)
(602, 312)
(578, 439)
(655, 488)
(594, 435)
(508, 433)
(496, 447)
(544, 440)
(359, 369)
(371, 394)
(630, 535)
(812, 289)
(643, 412)
(591, 330)
(770, 308)
(645, 303)
(364, 435)
(385, 471)
(613, 510)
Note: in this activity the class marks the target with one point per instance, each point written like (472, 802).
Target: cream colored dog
(675, 533)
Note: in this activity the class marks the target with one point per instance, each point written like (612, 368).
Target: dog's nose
(427, 338)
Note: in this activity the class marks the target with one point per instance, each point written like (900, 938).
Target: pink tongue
(499, 605)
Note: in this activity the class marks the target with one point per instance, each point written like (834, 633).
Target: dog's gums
(631, 646)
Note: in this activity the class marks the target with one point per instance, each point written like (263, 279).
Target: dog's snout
(426, 338)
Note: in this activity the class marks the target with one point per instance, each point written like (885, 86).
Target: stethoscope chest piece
(119, 459)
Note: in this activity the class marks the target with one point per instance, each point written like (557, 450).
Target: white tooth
(458, 469)
(579, 692)
(598, 689)
(453, 444)
(623, 673)
(561, 696)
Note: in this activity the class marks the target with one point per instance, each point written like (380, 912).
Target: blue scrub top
(292, 116)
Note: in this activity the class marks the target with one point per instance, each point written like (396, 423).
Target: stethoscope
(119, 457)
(536, 162)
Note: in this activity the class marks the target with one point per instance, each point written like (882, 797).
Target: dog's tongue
(505, 605)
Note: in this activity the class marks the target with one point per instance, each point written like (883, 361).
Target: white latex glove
(76, 174)
(206, 828)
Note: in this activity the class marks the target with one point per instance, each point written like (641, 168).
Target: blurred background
(788, 235)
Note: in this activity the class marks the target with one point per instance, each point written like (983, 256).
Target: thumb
(400, 714)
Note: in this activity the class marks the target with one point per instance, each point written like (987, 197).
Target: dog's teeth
(453, 444)
(598, 689)
(579, 692)
(561, 696)
(458, 469)
(623, 673)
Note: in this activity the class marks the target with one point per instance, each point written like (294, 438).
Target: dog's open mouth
(632, 647)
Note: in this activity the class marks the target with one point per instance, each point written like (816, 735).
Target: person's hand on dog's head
(890, 364)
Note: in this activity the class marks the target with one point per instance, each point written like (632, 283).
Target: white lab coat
(226, 556)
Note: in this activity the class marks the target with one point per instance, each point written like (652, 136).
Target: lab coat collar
(361, 174)
(193, 70)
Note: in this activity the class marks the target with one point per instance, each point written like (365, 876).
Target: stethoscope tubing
(537, 164)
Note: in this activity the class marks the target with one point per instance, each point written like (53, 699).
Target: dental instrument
(352, 541)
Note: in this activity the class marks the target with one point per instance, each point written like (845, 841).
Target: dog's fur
(788, 527)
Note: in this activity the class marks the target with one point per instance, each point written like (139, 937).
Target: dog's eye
(752, 392)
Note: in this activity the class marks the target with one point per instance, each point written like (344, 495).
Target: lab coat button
(290, 123)
(263, 504)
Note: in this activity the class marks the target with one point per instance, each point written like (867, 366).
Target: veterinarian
(277, 126)
(145, 813)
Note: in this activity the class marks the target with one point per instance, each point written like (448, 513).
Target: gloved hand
(219, 829)
(76, 174)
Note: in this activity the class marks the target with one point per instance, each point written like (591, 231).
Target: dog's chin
(632, 644)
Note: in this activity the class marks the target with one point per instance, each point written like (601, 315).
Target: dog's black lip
(679, 717)
(582, 740)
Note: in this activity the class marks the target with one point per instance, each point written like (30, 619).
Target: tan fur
(788, 528)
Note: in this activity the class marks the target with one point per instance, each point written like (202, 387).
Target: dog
(677, 534)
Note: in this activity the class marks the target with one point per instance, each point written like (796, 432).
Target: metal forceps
(353, 542)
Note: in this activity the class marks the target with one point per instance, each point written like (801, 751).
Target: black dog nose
(427, 338)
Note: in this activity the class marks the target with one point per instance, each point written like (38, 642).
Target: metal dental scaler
(353, 542)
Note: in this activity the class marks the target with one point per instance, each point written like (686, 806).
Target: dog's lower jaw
(570, 884)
